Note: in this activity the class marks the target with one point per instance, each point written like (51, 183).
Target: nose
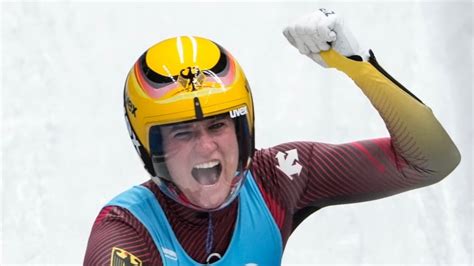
(206, 144)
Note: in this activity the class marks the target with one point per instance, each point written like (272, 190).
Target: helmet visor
(201, 163)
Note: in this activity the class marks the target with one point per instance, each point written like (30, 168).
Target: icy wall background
(66, 152)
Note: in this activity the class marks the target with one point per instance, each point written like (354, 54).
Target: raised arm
(419, 152)
(417, 137)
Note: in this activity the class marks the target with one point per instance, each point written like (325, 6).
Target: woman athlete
(215, 199)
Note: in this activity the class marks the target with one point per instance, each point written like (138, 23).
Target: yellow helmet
(181, 80)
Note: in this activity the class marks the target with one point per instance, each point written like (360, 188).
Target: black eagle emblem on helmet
(191, 78)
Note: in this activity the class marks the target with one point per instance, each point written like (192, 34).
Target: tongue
(207, 176)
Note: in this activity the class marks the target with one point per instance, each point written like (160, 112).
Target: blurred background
(66, 151)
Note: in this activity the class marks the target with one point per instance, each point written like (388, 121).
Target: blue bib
(256, 238)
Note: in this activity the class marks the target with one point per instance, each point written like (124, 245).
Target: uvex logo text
(238, 112)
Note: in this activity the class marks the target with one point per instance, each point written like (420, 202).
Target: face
(202, 159)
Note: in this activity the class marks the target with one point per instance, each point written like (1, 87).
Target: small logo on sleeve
(327, 12)
(287, 163)
(121, 257)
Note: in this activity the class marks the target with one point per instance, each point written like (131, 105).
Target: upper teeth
(206, 165)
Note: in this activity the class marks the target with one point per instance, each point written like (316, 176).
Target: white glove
(320, 31)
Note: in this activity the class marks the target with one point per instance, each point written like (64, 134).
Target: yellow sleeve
(415, 132)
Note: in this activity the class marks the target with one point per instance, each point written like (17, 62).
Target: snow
(66, 151)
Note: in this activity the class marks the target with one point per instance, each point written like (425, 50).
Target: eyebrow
(182, 126)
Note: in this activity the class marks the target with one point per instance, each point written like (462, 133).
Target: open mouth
(207, 173)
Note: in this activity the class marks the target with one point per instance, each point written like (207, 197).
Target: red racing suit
(418, 153)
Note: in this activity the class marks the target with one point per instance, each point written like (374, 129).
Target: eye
(182, 135)
(217, 126)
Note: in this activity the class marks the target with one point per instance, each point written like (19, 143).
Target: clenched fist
(320, 31)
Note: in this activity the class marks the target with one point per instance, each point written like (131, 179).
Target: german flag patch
(121, 257)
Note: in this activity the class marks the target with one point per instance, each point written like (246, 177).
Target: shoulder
(118, 236)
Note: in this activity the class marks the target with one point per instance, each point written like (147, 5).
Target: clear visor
(201, 163)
